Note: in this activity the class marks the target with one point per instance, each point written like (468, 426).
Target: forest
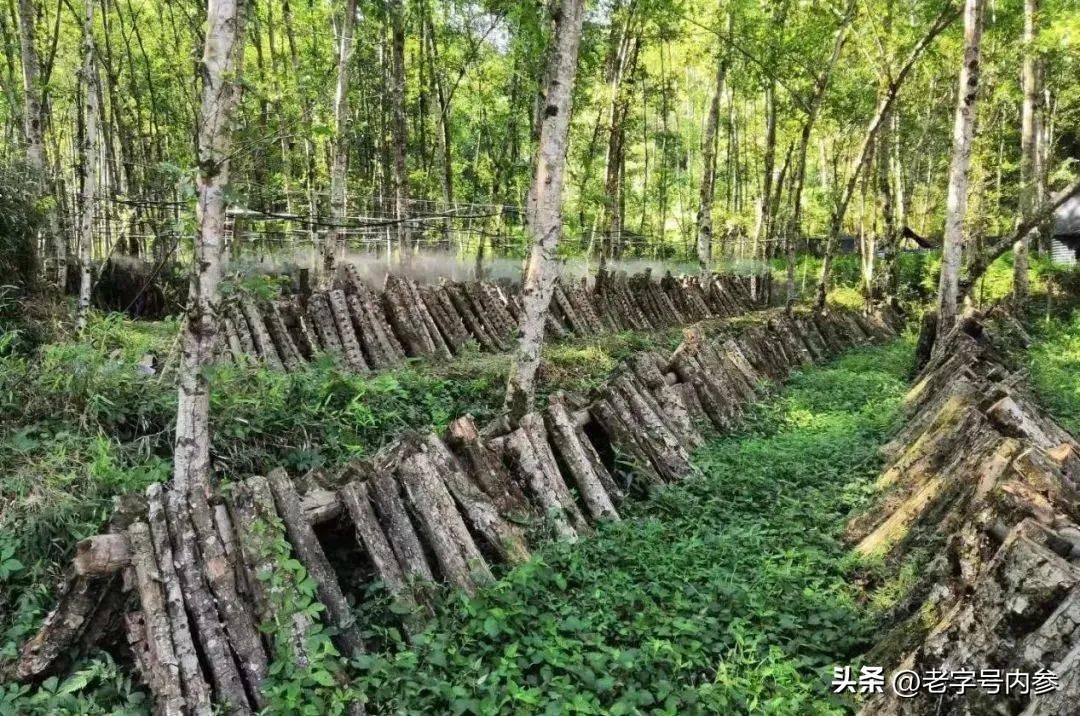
(458, 356)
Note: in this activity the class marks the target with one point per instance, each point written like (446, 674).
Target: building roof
(1067, 218)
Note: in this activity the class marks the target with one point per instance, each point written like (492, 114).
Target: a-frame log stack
(371, 330)
(426, 510)
(989, 485)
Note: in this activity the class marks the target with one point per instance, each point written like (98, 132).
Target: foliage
(723, 594)
(82, 422)
(312, 682)
(1054, 365)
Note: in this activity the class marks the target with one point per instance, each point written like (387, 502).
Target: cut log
(220, 573)
(243, 333)
(195, 689)
(595, 485)
(339, 310)
(384, 494)
(162, 666)
(322, 320)
(370, 534)
(258, 529)
(538, 470)
(475, 325)
(283, 341)
(102, 555)
(631, 459)
(460, 562)
(405, 320)
(503, 536)
(310, 553)
(264, 346)
(210, 636)
(486, 469)
(299, 327)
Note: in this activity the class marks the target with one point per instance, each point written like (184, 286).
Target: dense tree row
(723, 128)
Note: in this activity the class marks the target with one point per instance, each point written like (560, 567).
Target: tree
(1031, 170)
(544, 203)
(821, 83)
(398, 129)
(33, 130)
(339, 150)
(956, 206)
(884, 106)
(708, 160)
(89, 166)
(222, 63)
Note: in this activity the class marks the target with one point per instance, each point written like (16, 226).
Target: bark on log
(243, 332)
(310, 553)
(487, 470)
(220, 573)
(258, 527)
(475, 325)
(460, 562)
(371, 535)
(323, 321)
(195, 689)
(539, 470)
(408, 326)
(595, 485)
(354, 357)
(102, 555)
(399, 528)
(162, 666)
(211, 638)
(264, 346)
(299, 327)
(504, 537)
(283, 341)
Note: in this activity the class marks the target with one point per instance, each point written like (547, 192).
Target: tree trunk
(708, 159)
(397, 124)
(544, 205)
(88, 167)
(33, 121)
(1031, 170)
(222, 67)
(944, 19)
(822, 83)
(340, 151)
(956, 206)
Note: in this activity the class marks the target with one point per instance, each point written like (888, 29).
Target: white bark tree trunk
(544, 204)
(339, 151)
(222, 66)
(88, 168)
(963, 132)
(34, 132)
(885, 104)
(1031, 170)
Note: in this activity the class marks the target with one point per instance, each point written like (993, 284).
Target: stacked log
(987, 484)
(369, 330)
(425, 510)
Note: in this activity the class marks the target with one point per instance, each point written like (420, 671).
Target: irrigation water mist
(428, 267)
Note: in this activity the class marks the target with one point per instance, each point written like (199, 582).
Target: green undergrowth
(79, 423)
(724, 594)
(1054, 367)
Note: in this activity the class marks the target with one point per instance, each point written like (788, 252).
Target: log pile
(368, 330)
(986, 486)
(190, 572)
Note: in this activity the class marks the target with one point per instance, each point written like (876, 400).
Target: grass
(1054, 367)
(726, 593)
(79, 424)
